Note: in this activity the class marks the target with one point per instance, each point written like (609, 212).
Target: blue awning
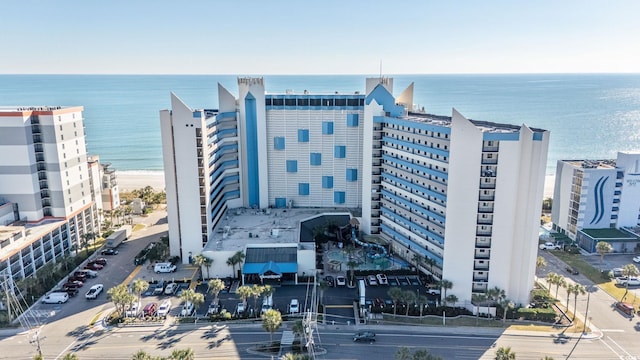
(275, 267)
(270, 267)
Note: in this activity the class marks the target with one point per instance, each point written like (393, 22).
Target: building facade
(463, 195)
(45, 179)
(597, 194)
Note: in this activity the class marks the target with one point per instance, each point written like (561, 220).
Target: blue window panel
(278, 142)
(281, 202)
(292, 165)
(327, 128)
(315, 159)
(352, 120)
(340, 151)
(303, 188)
(303, 135)
(338, 197)
(327, 182)
(352, 174)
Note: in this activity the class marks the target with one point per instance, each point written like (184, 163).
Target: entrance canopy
(271, 263)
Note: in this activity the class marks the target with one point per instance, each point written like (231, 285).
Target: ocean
(590, 116)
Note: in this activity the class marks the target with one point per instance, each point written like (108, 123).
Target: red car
(72, 284)
(93, 266)
(101, 261)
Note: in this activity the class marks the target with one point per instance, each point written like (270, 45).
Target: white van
(164, 268)
(267, 304)
(56, 298)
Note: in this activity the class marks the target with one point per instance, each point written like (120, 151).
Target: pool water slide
(380, 251)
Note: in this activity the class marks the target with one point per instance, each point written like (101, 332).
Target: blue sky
(318, 37)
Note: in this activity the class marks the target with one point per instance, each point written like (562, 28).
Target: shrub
(537, 314)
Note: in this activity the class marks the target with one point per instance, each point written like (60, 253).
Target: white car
(170, 289)
(94, 291)
(632, 281)
(214, 308)
(636, 259)
(371, 279)
(187, 309)
(382, 279)
(164, 308)
(294, 306)
(549, 246)
(341, 281)
(240, 308)
(132, 310)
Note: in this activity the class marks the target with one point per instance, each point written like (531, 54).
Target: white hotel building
(46, 195)
(465, 194)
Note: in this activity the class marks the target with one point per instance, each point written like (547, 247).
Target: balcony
(481, 265)
(487, 148)
(489, 161)
(487, 185)
(483, 242)
(485, 209)
(482, 253)
(484, 220)
(481, 278)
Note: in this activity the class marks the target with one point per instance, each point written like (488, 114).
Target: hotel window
(315, 102)
(327, 182)
(292, 165)
(278, 102)
(327, 127)
(290, 102)
(303, 135)
(352, 174)
(315, 159)
(303, 102)
(353, 102)
(303, 188)
(278, 143)
(340, 151)
(352, 120)
(338, 197)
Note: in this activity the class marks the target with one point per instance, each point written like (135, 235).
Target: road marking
(132, 275)
(338, 306)
(95, 318)
(612, 330)
(621, 348)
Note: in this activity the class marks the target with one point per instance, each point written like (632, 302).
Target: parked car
(341, 281)
(366, 336)
(94, 291)
(631, 281)
(158, 288)
(109, 252)
(550, 246)
(56, 298)
(164, 268)
(78, 277)
(371, 279)
(132, 309)
(214, 308)
(93, 266)
(636, 259)
(171, 288)
(433, 290)
(101, 261)
(164, 308)
(382, 279)
(88, 273)
(625, 308)
(187, 309)
(571, 270)
(70, 291)
(329, 281)
(150, 309)
(240, 308)
(378, 302)
(294, 306)
(73, 284)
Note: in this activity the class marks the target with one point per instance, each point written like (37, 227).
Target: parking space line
(338, 306)
(132, 275)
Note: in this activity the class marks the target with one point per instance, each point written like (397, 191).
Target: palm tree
(239, 258)
(190, 296)
(540, 263)
(201, 260)
(505, 353)
(138, 287)
(244, 292)
(322, 286)
(271, 321)
(451, 299)
(477, 300)
(352, 266)
(215, 286)
(417, 259)
(494, 295)
(70, 356)
(141, 355)
(557, 280)
(408, 297)
(429, 261)
(506, 304)
(395, 294)
(231, 262)
(422, 302)
(444, 286)
(629, 271)
(603, 247)
(577, 290)
(256, 292)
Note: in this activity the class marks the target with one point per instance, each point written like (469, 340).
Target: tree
(256, 292)
(577, 290)
(190, 296)
(120, 297)
(494, 295)
(477, 300)
(505, 353)
(451, 299)
(629, 271)
(322, 286)
(431, 262)
(409, 297)
(235, 259)
(239, 258)
(444, 286)
(70, 356)
(395, 294)
(352, 266)
(417, 260)
(182, 354)
(603, 247)
(423, 301)
(138, 287)
(201, 260)
(540, 263)
(271, 321)
(403, 353)
(215, 286)
(557, 280)
(506, 304)
(141, 355)
(244, 292)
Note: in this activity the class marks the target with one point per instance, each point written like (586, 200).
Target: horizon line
(324, 74)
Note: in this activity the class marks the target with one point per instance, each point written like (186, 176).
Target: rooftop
(608, 233)
(241, 227)
(592, 164)
(485, 126)
(32, 232)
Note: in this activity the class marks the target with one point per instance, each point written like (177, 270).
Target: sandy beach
(133, 180)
